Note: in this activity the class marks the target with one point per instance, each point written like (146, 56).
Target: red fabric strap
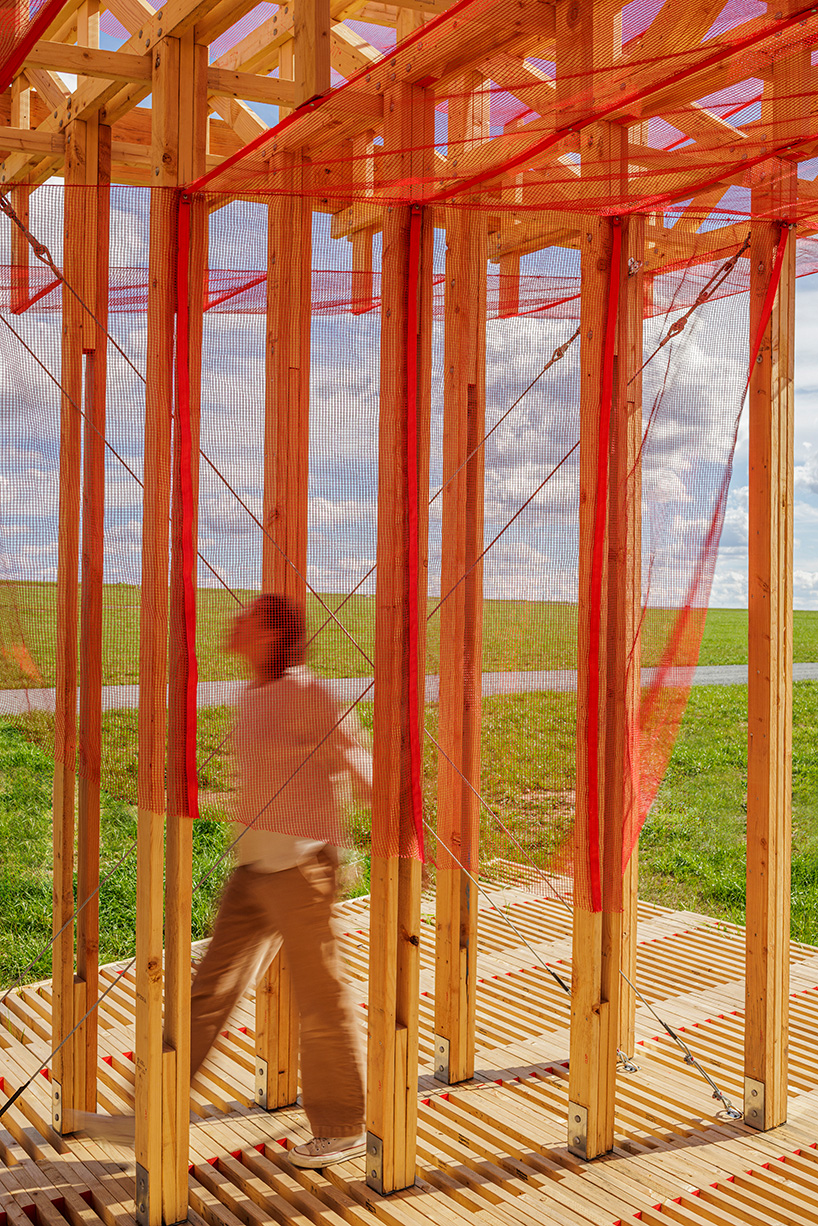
(769, 298)
(412, 322)
(185, 445)
(598, 554)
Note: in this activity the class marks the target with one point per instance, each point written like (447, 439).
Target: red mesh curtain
(309, 329)
(22, 23)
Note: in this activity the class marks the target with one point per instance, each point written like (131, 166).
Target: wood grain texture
(395, 870)
(97, 227)
(769, 761)
(65, 727)
(461, 614)
(285, 518)
(192, 110)
(153, 639)
(596, 987)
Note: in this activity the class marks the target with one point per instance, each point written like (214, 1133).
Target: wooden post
(95, 345)
(192, 104)
(627, 474)
(461, 615)
(624, 608)
(312, 27)
(148, 1053)
(284, 549)
(607, 694)
(769, 698)
(395, 871)
(509, 265)
(362, 154)
(66, 1062)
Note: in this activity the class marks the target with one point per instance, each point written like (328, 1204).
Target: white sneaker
(323, 1151)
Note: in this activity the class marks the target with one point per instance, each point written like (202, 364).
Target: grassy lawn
(692, 850)
(517, 635)
(25, 857)
(691, 854)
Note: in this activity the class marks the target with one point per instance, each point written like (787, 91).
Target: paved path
(347, 689)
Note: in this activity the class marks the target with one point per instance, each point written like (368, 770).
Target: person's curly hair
(272, 611)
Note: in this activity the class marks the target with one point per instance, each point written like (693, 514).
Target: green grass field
(692, 848)
(517, 635)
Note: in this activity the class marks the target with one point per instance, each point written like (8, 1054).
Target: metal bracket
(578, 1130)
(374, 1163)
(755, 1113)
(260, 1096)
(56, 1107)
(442, 1049)
(143, 1197)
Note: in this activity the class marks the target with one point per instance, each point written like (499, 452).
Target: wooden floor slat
(492, 1151)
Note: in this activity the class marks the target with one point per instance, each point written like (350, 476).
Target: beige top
(292, 756)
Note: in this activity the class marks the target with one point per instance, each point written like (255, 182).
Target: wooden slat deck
(491, 1151)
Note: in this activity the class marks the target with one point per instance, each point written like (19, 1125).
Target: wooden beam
(32, 142)
(49, 87)
(461, 615)
(395, 870)
(153, 638)
(284, 549)
(89, 62)
(769, 698)
(251, 88)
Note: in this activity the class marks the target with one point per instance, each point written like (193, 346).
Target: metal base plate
(142, 1198)
(374, 1163)
(578, 1130)
(754, 1103)
(442, 1049)
(56, 1107)
(260, 1095)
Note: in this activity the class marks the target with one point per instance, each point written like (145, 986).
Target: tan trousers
(259, 912)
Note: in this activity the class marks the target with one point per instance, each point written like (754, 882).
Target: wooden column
(192, 102)
(627, 474)
(95, 347)
(149, 1054)
(284, 556)
(312, 27)
(769, 762)
(395, 871)
(67, 1061)
(362, 153)
(624, 607)
(461, 615)
(509, 265)
(607, 694)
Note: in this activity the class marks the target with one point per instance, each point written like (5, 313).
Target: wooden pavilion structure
(199, 121)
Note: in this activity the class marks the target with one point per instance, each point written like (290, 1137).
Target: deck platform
(491, 1151)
